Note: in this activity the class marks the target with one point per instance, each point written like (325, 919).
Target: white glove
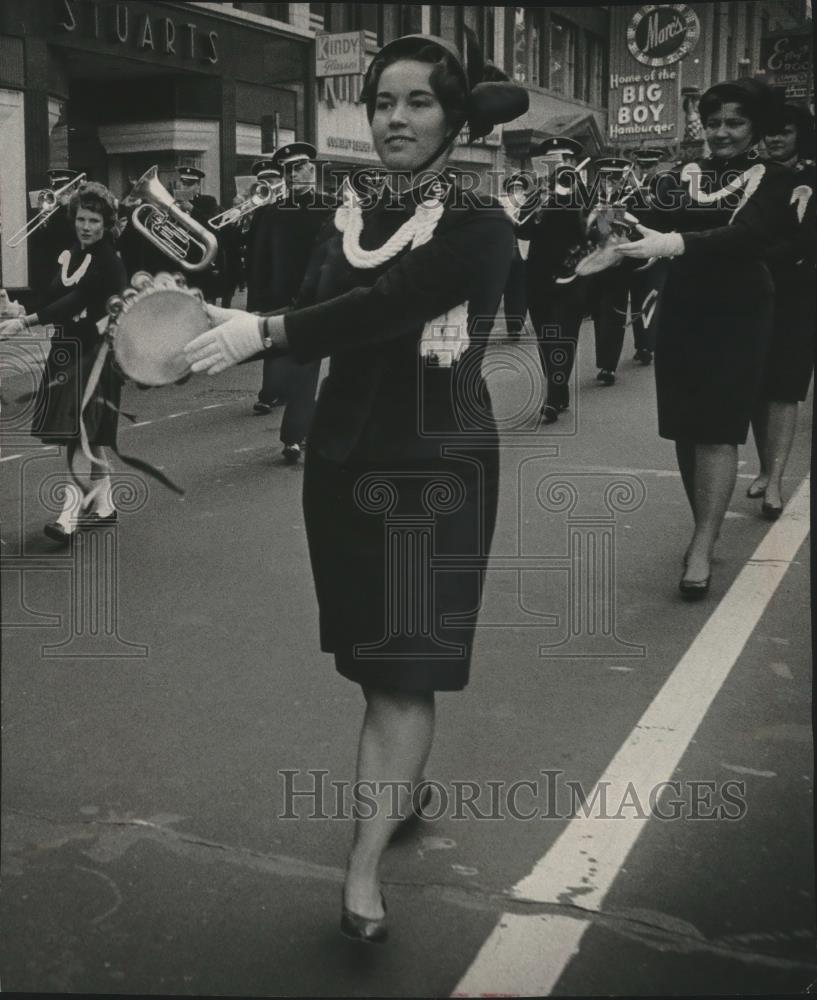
(234, 340)
(11, 328)
(654, 244)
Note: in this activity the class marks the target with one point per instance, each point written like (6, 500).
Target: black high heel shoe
(549, 414)
(365, 929)
(771, 511)
(756, 492)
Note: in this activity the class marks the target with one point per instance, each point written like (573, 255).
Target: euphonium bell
(174, 232)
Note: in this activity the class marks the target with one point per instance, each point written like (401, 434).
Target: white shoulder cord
(446, 336)
(747, 183)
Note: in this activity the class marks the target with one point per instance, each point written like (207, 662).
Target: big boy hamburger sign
(659, 35)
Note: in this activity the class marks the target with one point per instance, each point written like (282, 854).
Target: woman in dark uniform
(791, 358)
(392, 295)
(89, 272)
(714, 316)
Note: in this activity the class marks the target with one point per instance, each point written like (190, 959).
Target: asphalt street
(163, 682)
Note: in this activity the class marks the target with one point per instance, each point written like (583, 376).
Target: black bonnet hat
(760, 103)
(490, 97)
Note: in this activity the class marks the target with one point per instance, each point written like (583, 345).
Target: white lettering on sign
(137, 32)
(657, 36)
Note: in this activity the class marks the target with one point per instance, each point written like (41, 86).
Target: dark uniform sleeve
(761, 221)
(421, 285)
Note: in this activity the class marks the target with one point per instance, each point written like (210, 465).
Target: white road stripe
(526, 955)
(8, 458)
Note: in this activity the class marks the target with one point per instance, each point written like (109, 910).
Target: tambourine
(607, 226)
(150, 322)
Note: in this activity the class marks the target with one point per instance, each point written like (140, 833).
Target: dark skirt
(791, 357)
(61, 389)
(714, 324)
(398, 555)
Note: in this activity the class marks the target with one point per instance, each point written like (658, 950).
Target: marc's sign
(661, 35)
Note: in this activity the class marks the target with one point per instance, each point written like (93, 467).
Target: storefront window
(527, 46)
(562, 57)
(411, 18)
(591, 70)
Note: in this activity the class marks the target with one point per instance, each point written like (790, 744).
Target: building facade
(111, 88)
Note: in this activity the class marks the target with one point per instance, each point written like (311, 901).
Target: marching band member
(716, 309)
(279, 246)
(89, 272)
(610, 289)
(392, 294)
(201, 208)
(556, 309)
(790, 141)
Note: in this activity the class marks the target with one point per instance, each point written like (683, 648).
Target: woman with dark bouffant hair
(789, 141)
(401, 296)
(715, 312)
(88, 273)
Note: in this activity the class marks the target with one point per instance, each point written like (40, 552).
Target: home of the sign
(118, 24)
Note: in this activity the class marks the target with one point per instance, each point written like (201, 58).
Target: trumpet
(565, 178)
(159, 219)
(262, 194)
(49, 202)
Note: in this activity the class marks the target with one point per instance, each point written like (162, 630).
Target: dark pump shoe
(756, 492)
(57, 533)
(549, 414)
(643, 356)
(606, 377)
(359, 928)
(292, 453)
(771, 511)
(694, 590)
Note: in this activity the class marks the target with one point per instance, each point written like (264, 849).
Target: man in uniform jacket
(201, 208)
(556, 303)
(279, 245)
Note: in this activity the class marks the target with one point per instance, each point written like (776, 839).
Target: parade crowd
(712, 262)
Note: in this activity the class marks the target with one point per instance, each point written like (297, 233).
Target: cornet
(565, 178)
(262, 194)
(159, 219)
(49, 202)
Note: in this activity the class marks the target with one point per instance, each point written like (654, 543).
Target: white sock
(101, 498)
(71, 508)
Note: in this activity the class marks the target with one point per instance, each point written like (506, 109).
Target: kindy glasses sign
(662, 35)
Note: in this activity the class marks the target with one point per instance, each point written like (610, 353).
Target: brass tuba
(48, 204)
(262, 194)
(174, 232)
